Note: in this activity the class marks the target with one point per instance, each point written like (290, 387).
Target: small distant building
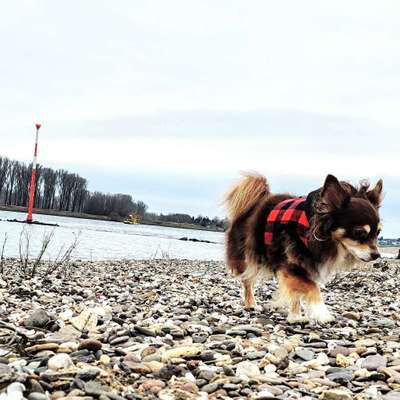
(389, 242)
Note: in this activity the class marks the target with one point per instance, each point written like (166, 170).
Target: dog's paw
(254, 307)
(320, 314)
(324, 319)
(296, 319)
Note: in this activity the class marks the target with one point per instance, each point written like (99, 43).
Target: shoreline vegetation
(176, 329)
(71, 214)
(60, 192)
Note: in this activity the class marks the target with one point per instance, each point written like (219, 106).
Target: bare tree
(4, 167)
(2, 254)
(61, 190)
(49, 178)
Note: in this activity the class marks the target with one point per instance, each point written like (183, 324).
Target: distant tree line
(61, 190)
(64, 191)
(206, 222)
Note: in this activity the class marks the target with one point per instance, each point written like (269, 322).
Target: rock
(169, 371)
(152, 385)
(33, 386)
(15, 391)
(322, 359)
(57, 395)
(264, 395)
(228, 371)
(67, 347)
(88, 374)
(183, 351)
(385, 323)
(60, 361)
(154, 366)
(391, 396)
(40, 347)
(7, 374)
(255, 355)
(394, 376)
(119, 340)
(365, 342)
(248, 369)
(139, 368)
(372, 363)
(281, 353)
(355, 316)
(305, 354)
(336, 394)
(86, 320)
(145, 331)
(345, 351)
(38, 319)
(105, 359)
(37, 396)
(341, 377)
(371, 393)
(93, 388)
(210, 388)
(342, 361)
(207, 373)
(90, 344)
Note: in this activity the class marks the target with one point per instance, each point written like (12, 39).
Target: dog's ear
(375, 195)
(333, 195)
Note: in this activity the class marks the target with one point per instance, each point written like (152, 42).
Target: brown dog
(302, 240)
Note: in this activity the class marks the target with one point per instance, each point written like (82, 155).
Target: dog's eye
(360, 233)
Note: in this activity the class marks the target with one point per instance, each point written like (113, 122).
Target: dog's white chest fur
(343, 261)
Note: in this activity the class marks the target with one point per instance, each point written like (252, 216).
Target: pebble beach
(176, 329)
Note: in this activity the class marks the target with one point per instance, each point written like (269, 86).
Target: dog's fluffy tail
(250, 189)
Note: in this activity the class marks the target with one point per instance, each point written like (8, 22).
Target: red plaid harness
(289, 216)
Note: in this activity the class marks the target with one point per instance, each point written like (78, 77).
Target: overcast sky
(168, 100)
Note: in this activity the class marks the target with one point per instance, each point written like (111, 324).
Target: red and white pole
(33, 178)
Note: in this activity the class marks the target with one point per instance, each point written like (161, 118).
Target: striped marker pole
(33, 178)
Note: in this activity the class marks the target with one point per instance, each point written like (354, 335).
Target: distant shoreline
(105, 218)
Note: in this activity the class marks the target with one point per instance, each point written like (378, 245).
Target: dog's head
(351, 216)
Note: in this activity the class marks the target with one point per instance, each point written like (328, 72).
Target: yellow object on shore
(132, 219)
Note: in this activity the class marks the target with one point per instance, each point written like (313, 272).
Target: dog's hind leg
(248, 294)
(249, 279)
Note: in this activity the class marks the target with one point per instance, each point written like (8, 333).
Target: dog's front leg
(295, 288)
(316, 308)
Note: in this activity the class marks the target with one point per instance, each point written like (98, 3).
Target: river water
(105, 240)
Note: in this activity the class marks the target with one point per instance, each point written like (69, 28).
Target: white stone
(323, 359)
(248, 369)
(263, 394)
(270, 368)
(371, 393)
(189, 376)
(68, 347)
(15, 391)
(87, 320)
(60, 361)
(66, 315)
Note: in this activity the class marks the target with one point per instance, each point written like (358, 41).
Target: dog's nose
(375, 255)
